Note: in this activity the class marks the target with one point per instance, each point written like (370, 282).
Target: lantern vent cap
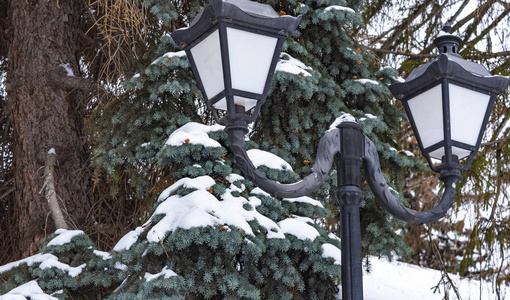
(241, 12)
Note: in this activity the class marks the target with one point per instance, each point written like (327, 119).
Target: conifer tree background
(145, 91)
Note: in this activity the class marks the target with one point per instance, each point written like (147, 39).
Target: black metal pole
(349, 197)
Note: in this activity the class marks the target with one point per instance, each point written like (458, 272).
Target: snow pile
(49, 260)
(299, 227)
(166, 273)
(304, 199)
(339, 8)
(64, 237)
(29, 290)
(194, 133)
(263, 158)
(201, 208)
(292, 65)
(37, 258)
(52, 262)
(344, 117)
(331, 251)
(128, 240)
(401, 281)
(169, 55)
(365, 81)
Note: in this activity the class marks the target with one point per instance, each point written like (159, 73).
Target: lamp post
(233, 47)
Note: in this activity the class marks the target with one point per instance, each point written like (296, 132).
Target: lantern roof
(241, 12)
(450, 65)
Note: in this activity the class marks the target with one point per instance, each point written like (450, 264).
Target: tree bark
(45, 115)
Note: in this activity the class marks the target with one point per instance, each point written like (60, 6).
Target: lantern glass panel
(467, 111)
(207, 57)
(427, 112)
(246, 102)
(250, 57)
(459, 152)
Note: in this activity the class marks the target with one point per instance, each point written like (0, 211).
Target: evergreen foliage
(236, 242)
(474, 240)
(68, 267)
(223, 238)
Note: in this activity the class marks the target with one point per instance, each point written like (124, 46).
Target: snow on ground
(401, 281)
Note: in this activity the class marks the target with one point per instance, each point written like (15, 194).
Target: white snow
(401, 281)
(64, 237)
(120, 266)
(52, 262)
(408, 153)
(365, 81)
(194, 133)
(37, 258)
(102, 254)
(292, 65)
(332, 251)
(167, 273)
(264, 158)
(175, 54)
(67, 68)
(345, 117)
(201, 209)
(52, 151)
(259, 191)
(398, 79)
(197, 209)
(128, 240)
(371, 116)
(30, 289)
(299, 227)
(181, 53)
(338, 7)
(199, 183)
(304, 199)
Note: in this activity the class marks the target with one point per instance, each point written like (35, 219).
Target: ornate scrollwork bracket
(329, 149)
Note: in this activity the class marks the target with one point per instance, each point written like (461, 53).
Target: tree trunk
(45, 114)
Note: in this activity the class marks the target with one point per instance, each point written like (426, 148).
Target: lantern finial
(447, 42)
(447, 27)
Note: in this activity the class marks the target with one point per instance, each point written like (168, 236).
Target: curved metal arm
(329, 146)
(383, 195)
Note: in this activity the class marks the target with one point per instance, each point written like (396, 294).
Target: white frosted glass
(221, 104)
(467, 111)
(250, 59)
(246, 102)
(207, 57)
(427, 112)
(439, 153)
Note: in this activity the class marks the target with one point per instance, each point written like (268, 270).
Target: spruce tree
(213, 235)
(210, 233)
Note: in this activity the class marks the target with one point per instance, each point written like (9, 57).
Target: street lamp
(448, 102)
(233, 47)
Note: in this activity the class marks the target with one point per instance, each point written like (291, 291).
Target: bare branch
(51, 194)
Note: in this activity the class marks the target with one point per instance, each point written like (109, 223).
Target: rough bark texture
(45, 115)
